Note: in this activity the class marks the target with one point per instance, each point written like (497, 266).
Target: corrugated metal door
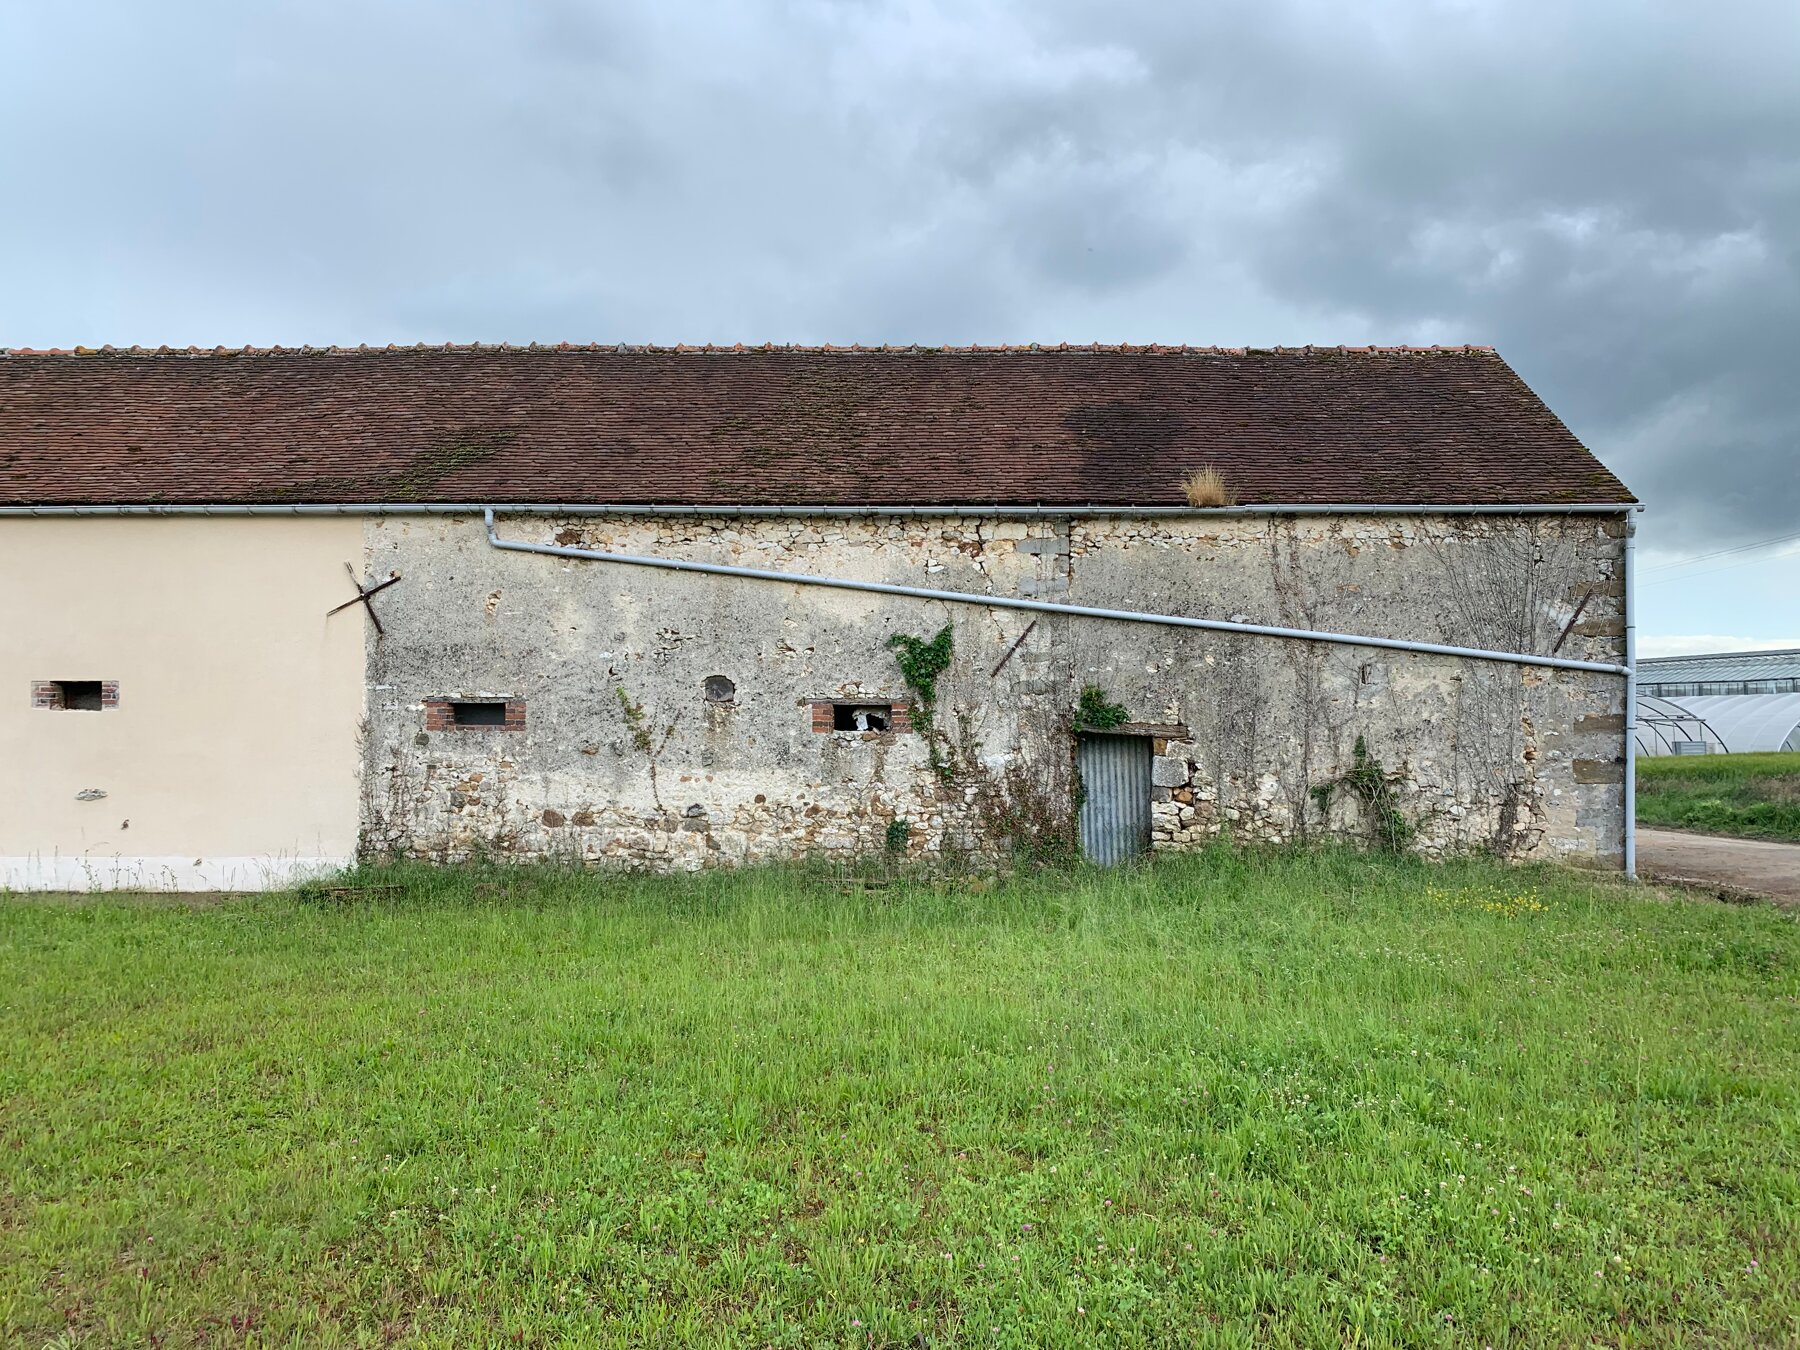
(1115, 802)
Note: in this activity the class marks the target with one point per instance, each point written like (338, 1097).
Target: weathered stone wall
(622, 757)
(1525, 761)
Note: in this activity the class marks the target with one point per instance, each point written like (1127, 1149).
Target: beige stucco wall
(231, 759)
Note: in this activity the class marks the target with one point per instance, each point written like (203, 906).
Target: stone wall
(1522, 760)
(621, 754)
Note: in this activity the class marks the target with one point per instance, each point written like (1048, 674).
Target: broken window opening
(80, 695)
(861, 716)
(481, 714)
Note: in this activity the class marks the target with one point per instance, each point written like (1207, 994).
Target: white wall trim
(123, 872)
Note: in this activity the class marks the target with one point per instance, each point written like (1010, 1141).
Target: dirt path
(1753, 866)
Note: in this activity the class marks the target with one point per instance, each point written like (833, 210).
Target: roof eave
(1014, 511)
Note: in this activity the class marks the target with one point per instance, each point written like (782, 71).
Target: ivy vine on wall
(921, 661)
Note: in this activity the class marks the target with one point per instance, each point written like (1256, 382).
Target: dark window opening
(82, 695)
(478, 714)
(719, 689)
(861, 716)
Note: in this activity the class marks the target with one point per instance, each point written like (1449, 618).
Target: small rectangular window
(450, 714)
(478, 714)
(80, 694)
(861, 716)
(857, 715)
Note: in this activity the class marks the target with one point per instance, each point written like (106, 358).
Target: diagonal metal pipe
(1045, 606)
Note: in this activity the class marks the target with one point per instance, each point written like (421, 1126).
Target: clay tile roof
(1065, 425)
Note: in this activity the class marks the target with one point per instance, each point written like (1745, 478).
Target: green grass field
(1318, 1100)
(1752, 796)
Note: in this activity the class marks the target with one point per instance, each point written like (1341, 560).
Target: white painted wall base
(121, 872)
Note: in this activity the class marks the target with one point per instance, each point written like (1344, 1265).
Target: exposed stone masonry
(1525, 761)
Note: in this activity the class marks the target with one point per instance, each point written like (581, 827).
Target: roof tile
(1063, 425)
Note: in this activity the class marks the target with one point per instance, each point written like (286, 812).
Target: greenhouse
(1683, 677)
(1718, 724)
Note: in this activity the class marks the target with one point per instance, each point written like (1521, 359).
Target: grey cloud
(1606, 194)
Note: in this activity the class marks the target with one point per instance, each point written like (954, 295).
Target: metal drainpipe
(1049, 607)
(1630, 697)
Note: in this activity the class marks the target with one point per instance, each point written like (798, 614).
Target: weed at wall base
(1373, 787)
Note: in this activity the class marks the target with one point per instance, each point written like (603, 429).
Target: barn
(269, 610)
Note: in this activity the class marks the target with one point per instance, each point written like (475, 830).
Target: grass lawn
(1752, 796)
(1304, 1100)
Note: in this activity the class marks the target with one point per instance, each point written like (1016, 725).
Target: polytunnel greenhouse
(1718, 724)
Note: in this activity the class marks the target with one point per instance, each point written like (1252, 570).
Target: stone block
(1598, 770)
(1168, 773)
(1601, 723)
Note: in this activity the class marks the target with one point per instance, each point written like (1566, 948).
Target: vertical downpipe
(1631, 696)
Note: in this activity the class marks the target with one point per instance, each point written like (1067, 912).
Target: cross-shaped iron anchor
(362, 597)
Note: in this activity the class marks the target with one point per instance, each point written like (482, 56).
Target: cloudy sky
(1607, 191)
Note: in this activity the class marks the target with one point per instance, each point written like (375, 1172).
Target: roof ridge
(714, 349)
(1713, 656)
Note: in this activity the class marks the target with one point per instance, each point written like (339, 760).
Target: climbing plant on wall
(1025, 808)
(645, 738)
(1373, 786)
(1093, 709)
(921, 661)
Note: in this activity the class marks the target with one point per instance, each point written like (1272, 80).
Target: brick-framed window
(474, 714)
(75, 695)
(854, 714)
